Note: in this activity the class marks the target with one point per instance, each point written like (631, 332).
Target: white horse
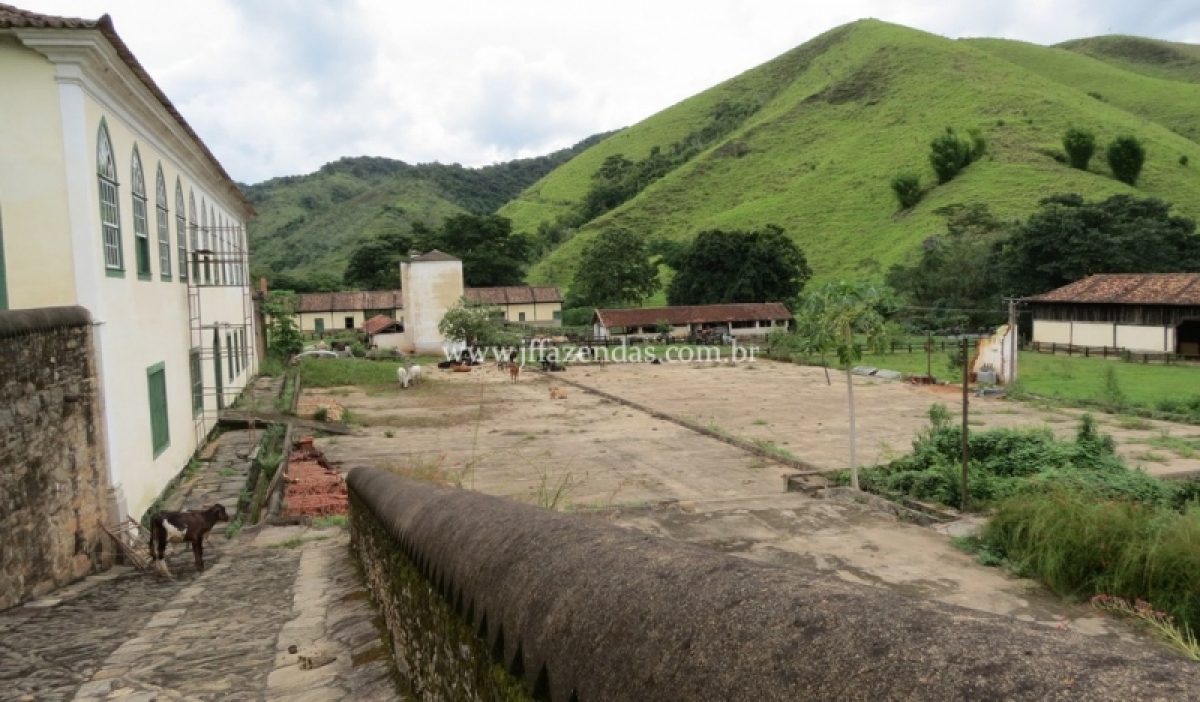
(407, 376)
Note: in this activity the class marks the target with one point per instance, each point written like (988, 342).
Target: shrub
(1082, 546)
(1079, 145)
(358, 349)
(950, 154)
(907, 187)
(1126, 155)
(1183, 159)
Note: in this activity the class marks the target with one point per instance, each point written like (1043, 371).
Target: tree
(839, 319)
(739, 266)
(954, 272)
(475, 324)
(1079, 145)
(279, 310)
(907, 187)
(1068, 239)
(492, 254)
(375, 263)
(301, 284)
(949, 155)
(1125, 157)
(614, 270)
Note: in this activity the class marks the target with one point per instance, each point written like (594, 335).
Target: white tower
(430, 284)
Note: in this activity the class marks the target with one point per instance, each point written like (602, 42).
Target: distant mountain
(811, 140)
(308, 224)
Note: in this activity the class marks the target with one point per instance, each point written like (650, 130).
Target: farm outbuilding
(742, 319)
(1139, 312)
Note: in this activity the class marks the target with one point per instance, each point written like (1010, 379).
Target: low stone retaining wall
(580, 610)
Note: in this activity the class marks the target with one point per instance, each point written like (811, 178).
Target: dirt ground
(598, 458)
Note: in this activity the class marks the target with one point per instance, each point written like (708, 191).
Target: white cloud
(278, 87)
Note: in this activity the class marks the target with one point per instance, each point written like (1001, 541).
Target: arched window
(141, 227)
(224, 250)
(205, 245)
(110, 208)
(192, 236)
(164, 224)
(181, 231)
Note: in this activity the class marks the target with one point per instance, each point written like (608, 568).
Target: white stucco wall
(147, 322)
(999, 353)
(429, 288)
(1050, 332)
(33, 185)
(1146, 338)
(1092, 334)
(388, 341)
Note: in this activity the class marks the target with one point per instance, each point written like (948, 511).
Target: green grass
(337, 520)
(1150, 57)
(1067, 377)
(336, 372)
(843, 114)
(1081, 547)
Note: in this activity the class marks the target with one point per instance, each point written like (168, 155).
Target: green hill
(825, 127)
(1151, 57)
(307, 225)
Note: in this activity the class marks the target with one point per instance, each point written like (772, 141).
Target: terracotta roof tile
(16, 18)
(348, 301)
(1129, 289)
(514, 295)
(697, 314)
(378, 323)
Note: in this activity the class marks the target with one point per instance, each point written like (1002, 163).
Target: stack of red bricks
(314, 488)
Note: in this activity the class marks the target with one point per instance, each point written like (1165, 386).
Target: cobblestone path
(223, 634)
(233, 632)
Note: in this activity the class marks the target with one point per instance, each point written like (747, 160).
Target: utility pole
(966, 446)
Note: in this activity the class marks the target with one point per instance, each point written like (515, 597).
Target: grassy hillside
(308, 224)
(838, 117)
(1170, 103)
(1151, 57)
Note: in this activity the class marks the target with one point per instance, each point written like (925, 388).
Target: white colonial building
(110, 201)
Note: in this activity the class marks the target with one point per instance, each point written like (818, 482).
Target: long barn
(1143, 312)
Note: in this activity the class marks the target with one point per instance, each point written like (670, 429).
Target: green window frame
(141, 225)
(197, 383)
(319, 324)
(558, 314)
(194, 236)
(205, 244)
(163, 219)
(520, 316)
(229, 355)
(160, 425)
(181, 231)
(110, 203)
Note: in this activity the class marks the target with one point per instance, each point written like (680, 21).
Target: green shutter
(320, 325)
(160, 429)
(197, 384)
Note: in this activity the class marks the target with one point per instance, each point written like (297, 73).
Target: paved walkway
(223, 634)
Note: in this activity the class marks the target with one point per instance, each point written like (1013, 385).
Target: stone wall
(581, 610)
(53, 482)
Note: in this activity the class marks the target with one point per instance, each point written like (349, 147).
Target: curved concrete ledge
(588, 611)
(14, 322)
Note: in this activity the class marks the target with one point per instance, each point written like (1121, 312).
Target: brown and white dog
(182, 527)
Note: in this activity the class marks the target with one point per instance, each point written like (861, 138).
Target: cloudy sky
(280, 87)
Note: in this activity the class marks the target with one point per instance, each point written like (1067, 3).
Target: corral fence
(1131, 355)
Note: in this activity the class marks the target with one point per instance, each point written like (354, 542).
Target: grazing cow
(182, 527)
(514, 372)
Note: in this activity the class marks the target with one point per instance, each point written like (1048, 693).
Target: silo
(430, 283)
